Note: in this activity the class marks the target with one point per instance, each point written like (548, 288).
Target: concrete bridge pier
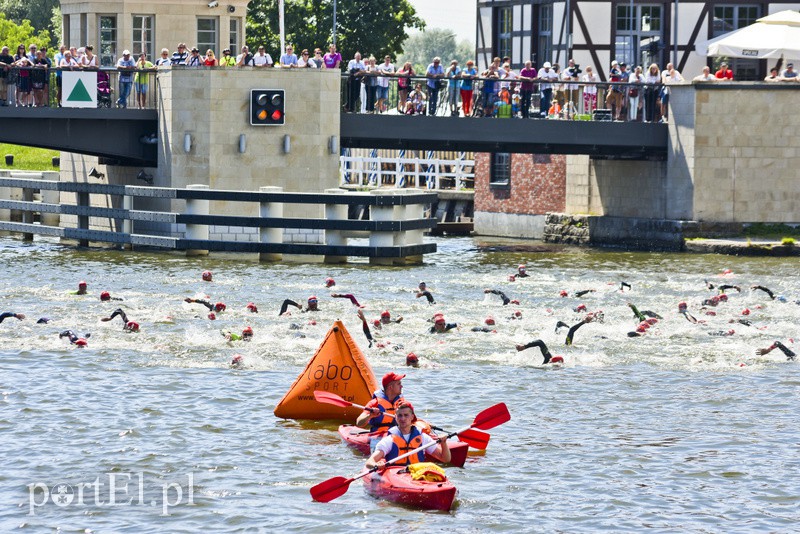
(196, 231)
(335, 212)
(271, 235)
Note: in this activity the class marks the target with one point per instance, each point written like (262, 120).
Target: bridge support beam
(197, 231)
(335, 212)
(409, 237)
(273, 236)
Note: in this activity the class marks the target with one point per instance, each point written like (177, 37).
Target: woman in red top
(210, 60)
(403, 85)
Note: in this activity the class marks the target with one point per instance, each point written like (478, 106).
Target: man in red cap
(379, 411)
(404, 437)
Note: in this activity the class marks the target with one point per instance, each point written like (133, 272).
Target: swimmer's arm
(777, 345)
(584, 292)
(542, 347)
(6, 315)
(636, 312)
(346, 296)
(765, 290)
(572, 331)
(200, 301)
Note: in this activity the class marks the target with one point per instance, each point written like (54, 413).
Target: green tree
(38, 12)
(422, 47)
(12, 34)
(376, 27)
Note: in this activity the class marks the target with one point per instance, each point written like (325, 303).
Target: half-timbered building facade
(637, 32)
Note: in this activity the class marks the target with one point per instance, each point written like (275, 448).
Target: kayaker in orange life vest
(383, 403)
(404, 438)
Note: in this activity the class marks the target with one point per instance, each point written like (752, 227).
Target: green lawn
(27, 158)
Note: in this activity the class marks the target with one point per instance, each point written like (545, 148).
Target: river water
(678, 430)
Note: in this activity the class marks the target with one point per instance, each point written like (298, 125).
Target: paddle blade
(491, 417)
(330, 489)
(475, 438)
(331, 398)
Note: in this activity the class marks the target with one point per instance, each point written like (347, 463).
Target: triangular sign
(337, 367)
(79, 93)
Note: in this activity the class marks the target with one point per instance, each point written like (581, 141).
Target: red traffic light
(276, 115)
(267, 107)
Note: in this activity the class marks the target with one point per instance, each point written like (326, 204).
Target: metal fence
(586, 101)
(42, 87)
(403, 170)
(395, 224)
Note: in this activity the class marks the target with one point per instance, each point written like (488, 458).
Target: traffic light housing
(267, 107)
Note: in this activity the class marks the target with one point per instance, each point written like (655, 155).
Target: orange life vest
(384, 421)
(400, 446)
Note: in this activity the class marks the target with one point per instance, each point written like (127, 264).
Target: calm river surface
(676, 431)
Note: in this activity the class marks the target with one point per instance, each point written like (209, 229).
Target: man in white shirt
(706, 76)
(262, 59)
(548, 76)
(383, 83)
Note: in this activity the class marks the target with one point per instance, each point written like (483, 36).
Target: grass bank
(27, 158)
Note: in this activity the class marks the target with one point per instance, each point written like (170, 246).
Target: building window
(728, 19)
(108, 40)
(501, 170)
(83, 32)
(234, 36)
(143, 35)
(638, 35)
(65, 30)
(545, 45)
(503, 32)
(207, 35)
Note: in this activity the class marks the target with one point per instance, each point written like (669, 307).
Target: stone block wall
(537, 186)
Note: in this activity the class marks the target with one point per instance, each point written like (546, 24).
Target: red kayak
(358, 438)
(396, 485)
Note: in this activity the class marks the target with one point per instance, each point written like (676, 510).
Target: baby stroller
(104, 90)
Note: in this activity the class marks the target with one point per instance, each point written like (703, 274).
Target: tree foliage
(376, 27)
(12, 34)
(421, 48)
(38, 12)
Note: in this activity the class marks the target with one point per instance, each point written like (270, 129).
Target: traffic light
(267, 107)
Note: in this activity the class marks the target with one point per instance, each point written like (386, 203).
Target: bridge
(128, 136)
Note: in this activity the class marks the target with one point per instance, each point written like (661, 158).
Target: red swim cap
(377, 322)
(411, 358)
(330, 282)
(514, 301)
(211, 316)
(219, 307)
(745, 311)
(521, 268)
(237, 360)
(105, 295)
(651, 321)
(512, 277)
(563, 293)
(682, 306)
(517, 313)
(489, 320)
(252, 307)
(133, 326)
(248, 331)
(580, 308)
(439, 320)
(81, 342)
(557, 359)
(723, 297)
(386, 314)
(207, 276)
(312, 298)
(642, 327)
(81, 284)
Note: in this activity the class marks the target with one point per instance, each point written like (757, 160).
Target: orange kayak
(396, 485)
(358, 439)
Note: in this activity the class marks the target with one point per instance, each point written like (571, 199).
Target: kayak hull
(395, 484)
(351, 435)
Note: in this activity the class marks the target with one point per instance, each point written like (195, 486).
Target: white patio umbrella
(770, 37)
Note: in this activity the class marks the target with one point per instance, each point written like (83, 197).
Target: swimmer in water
(412, 360)
(349, 296)
(623, 285)
(207, 276)
(330, 282)
(6, 315)
(683, 310)
(499, 293)
(128, 326)
(105, 296)
(252, 308)
(764, 289)
(644, 314)
(590, 318)
(81, 288)
(440, 326)
(425, 292)
(311, 307)
(365, 326)
(548, 358)
(386, 318)
(237, 362)
(579, 294)
(790, 355)
(522, 272)
(247, 335)
(74, 339)
(490, 326)
(218, 307)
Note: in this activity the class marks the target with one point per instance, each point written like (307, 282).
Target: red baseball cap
(390, 377)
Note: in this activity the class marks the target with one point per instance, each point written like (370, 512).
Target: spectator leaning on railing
(724, 73)
(261, 59)
(227, 60)
(789, 74)
(126, 66)
(434, 72)
(706, 76)
(333, 58)
(6, 60)
(452, 74)
(652, 89)
(404, 85)
(468, 75)
(164, 60)
(141, 79)
(590, 89)
(180, 56)
(387, 68)
(547, 76)
(289, 59)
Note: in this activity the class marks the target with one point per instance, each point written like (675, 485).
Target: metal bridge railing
(395, 226)
(399, 172)
(611, 101)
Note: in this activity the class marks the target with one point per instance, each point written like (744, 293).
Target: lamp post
(334, 22)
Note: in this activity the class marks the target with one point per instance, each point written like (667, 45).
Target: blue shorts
(141, 88)
(383, 92)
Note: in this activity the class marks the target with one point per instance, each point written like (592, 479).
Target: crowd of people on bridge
(629, 93)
